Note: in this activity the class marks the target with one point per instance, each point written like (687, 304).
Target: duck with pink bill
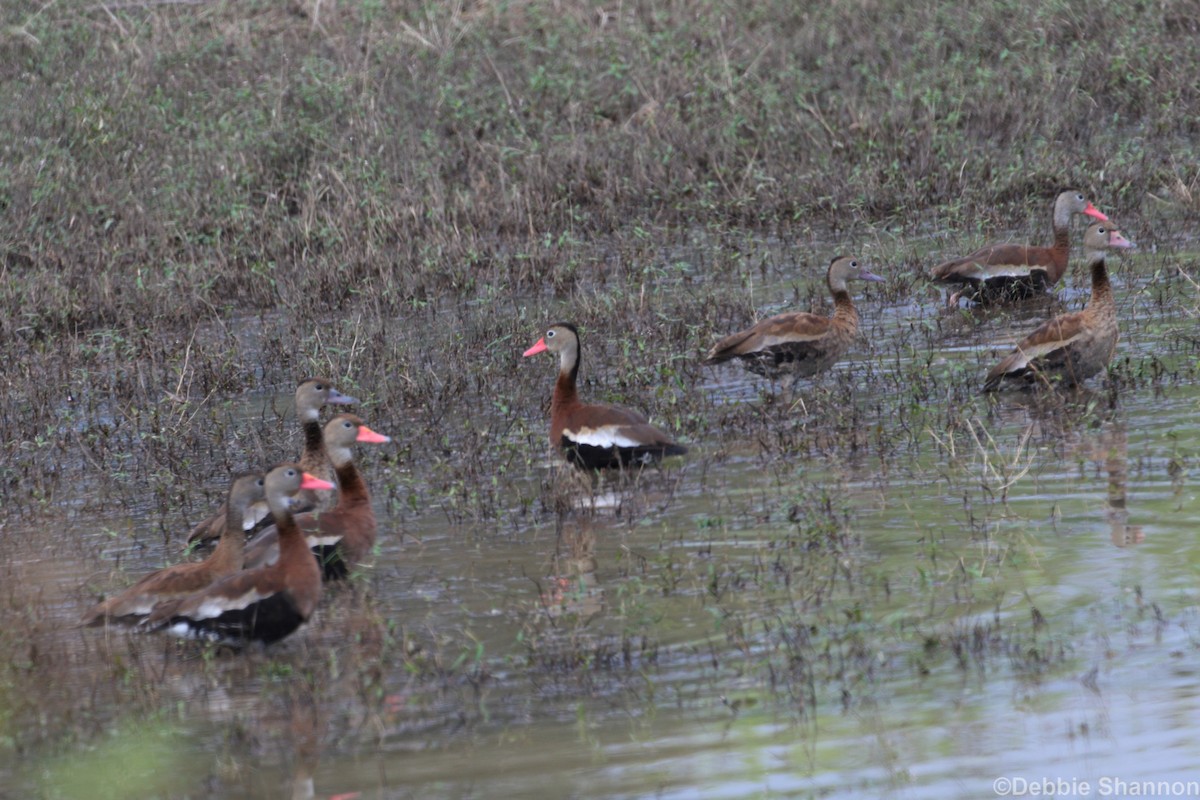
(1070, 348)
(342, 537)
(595, 435)
(312, 394)
(1004, 272)
(263, 604)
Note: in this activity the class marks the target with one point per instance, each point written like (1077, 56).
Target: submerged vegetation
(202, 202)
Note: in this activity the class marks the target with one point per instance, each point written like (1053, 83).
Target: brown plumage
(179, 580)
(264, 604)
(799, 343)
(1011, 271)
(591, 435)
(311, 395)
(1070, 348)
(343, 536)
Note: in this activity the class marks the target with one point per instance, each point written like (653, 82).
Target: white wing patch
(141, 605)
(322, 541)
(1038, 350)
(606, 436)
(972, 269)
(255, 513)
(792, 338)
(1008, 271)
(213, 607)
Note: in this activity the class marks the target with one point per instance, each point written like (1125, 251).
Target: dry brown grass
(201, 202)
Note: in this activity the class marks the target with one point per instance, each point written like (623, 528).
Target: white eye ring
(549, 334)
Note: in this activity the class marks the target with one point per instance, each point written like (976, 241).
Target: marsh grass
(201, 156)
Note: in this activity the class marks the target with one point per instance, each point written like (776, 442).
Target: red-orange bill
(537, 348)
(365, 434)
(313, 482)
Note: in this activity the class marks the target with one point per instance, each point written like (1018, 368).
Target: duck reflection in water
(1115, 444)
(305, 728)
(1059, 416)
(572, 587)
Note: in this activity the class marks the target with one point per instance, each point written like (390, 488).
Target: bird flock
(311, 521)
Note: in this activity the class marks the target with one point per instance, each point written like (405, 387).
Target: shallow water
(852, 590)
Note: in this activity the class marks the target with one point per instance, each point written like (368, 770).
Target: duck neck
(233, 539)
(1061, 249)
(352, 489)
(314, 441)
(1062, 237)
(285, 524)
(844, 312)
(568, 373)
(1102, 295)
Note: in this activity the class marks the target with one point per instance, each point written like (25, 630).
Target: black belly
(799, 359)
(266, 621)
(590, 456)
(333, 566)
(1009, 288)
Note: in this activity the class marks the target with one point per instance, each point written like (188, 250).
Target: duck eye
(549, 334)
(854, 263)
(1078, 197)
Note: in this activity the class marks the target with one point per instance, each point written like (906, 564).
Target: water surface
(878, 584)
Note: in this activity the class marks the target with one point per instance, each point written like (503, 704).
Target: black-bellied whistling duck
(311, 395)
(595, 436)
(1012, 271)
(341, 537)
(263, 604)
(1070, 347)
(179, 580)
(798, 342)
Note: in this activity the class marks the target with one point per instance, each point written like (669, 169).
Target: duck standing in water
(592, 435)
(1006, 271)
(136, 602)
(263, 604)
(1070, 348)
(799, 343)
(342, 537)
(312, 394)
